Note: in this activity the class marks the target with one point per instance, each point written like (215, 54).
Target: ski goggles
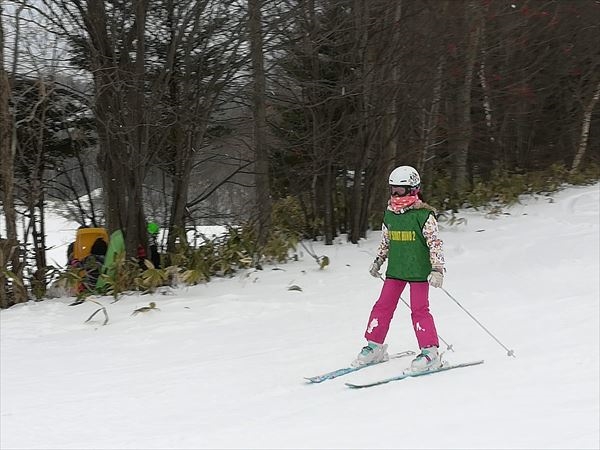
(401, 191)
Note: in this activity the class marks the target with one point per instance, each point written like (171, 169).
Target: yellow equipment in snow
(85, 239)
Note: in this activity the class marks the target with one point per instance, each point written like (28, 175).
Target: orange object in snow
(85, 239)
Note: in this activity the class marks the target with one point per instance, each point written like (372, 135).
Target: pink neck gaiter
(398, 204)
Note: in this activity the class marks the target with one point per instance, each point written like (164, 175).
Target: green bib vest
(408, 257)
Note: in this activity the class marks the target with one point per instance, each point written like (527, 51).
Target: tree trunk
(263, 197)
(360, 15)
(474, 22)
(487, 105)
(391, 120)
(585, 128)
(9, 248)
(431, 125)
(328, 212)
(183, 167)
(121, 120)
(135, 224)
(7, 147)
(105, 108)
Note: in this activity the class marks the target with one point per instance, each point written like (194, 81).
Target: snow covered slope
(221, 365)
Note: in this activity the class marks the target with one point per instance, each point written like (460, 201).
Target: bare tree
(263, 196)
(6, 174)
(156, 84)
(471, 26)
(585, 128)
(10, 251)
(7, 145)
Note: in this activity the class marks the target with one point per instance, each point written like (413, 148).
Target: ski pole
(449, 347)
(509, 352)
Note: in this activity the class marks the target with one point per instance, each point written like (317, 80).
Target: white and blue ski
(409, 374)
(347, 370)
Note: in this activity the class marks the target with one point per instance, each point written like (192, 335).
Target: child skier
(410, 240)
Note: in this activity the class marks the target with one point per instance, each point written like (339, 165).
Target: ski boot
(370, 354)
(428, 359)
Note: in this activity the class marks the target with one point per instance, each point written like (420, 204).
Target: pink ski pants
(383, 312)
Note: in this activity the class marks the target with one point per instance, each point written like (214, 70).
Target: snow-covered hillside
(221, 365)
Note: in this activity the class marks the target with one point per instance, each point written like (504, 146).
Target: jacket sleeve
(435, 244)
(384, 245)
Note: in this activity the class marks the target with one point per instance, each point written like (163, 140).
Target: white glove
(374, 269)
(436, 279)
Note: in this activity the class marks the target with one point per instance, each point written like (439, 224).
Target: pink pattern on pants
(383, 312)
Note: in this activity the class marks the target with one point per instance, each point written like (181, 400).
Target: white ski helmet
(405, 176)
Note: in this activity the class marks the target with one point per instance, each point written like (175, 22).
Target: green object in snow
(116, 245)
(153, 228)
